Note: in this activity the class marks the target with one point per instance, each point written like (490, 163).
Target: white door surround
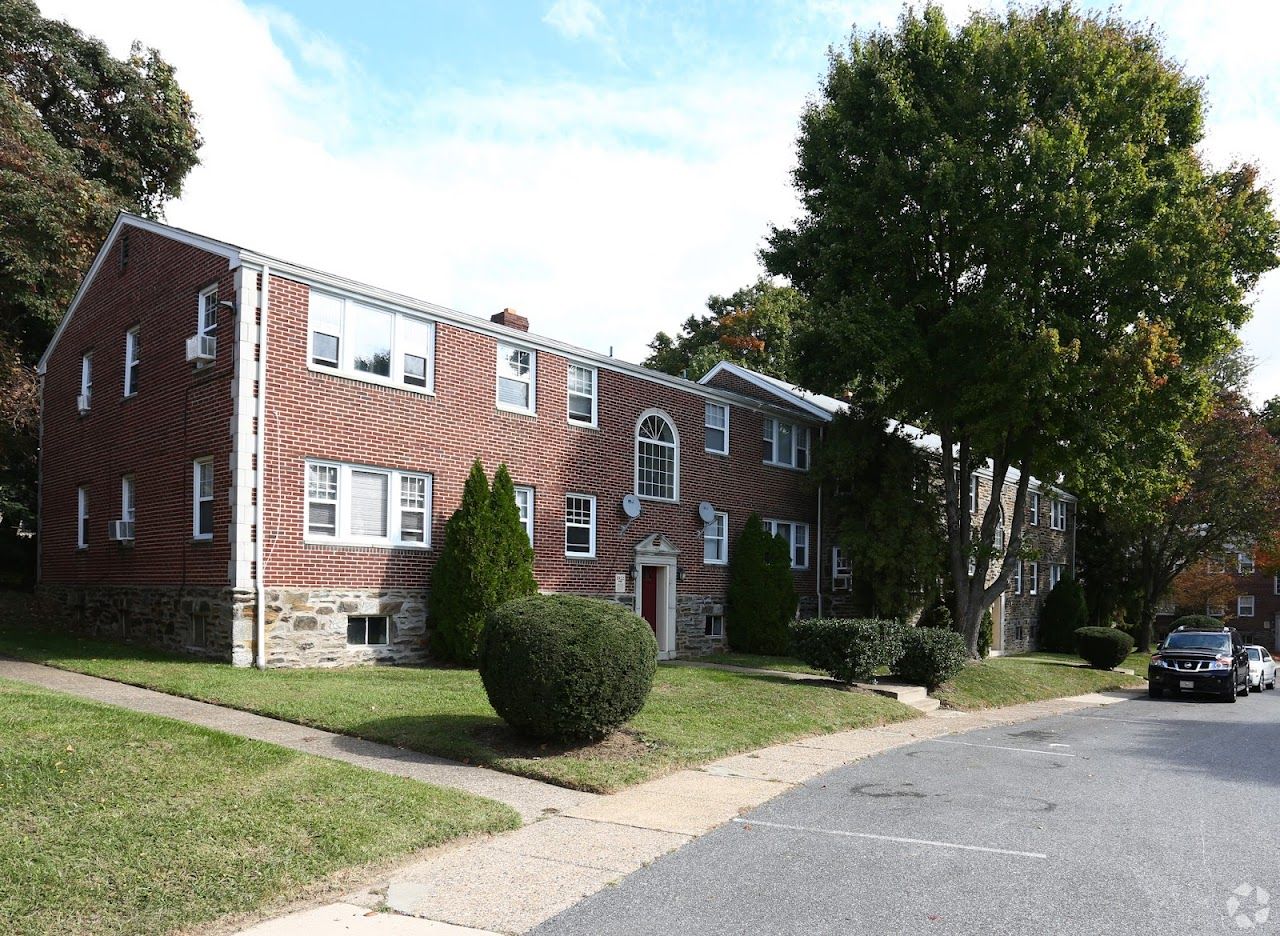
(656, 550)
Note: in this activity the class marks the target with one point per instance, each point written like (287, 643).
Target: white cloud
(582, 19)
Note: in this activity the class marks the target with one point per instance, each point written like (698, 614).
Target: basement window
(367, 631)
(714, 626)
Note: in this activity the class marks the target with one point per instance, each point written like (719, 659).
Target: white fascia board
(124, 219)
(386, 299)
(752, 378)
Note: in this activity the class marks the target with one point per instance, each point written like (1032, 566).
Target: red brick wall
(331, 417)
(178, 414)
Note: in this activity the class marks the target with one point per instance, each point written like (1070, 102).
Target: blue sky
(603, 166)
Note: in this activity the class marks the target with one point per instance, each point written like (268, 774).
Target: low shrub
(566, 668)
(986, 630)
(1103, 647)
(930, 656)
(1196, 621)
(850, 649)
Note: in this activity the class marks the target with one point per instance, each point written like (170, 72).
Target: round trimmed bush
(1197, 621)
(566, 668)
(1103, 647)
(850, 649)
(930, 656)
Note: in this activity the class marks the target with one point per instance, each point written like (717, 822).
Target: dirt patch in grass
(621, 745)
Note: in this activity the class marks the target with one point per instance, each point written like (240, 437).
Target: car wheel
(1155, 692)
(1243, 690)
(1255, 688)
(1232, 692)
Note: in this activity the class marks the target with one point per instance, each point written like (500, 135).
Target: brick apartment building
(248, 459)
(1255, 608)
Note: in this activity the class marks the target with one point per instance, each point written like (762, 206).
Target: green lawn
(693, 715)
(783, 664)
(117, 822)
(1012, 679)
(1135, 661)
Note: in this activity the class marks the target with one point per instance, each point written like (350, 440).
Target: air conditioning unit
(121, 531)
(201, 348)
(82, 403)
(842, 581)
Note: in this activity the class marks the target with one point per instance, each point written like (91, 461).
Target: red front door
(649, 596)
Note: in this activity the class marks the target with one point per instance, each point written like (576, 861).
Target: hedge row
(852, 649)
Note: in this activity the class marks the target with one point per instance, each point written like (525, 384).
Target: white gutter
(259, 494)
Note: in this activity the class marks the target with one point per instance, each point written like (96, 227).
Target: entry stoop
(915, 696)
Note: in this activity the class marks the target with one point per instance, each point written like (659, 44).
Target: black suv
(1200, 659)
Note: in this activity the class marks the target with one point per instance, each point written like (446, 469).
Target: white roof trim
(124, 218)
(756, 380)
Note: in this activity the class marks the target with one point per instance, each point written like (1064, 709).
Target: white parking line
(890, 838)
(998, 747)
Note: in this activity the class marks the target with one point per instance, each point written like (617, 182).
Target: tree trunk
(1148, 619)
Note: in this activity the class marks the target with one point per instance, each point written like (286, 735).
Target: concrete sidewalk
(575, 845)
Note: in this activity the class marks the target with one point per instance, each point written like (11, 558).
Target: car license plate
(1186, 684)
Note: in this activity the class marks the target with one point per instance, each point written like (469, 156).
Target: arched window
(657, 457)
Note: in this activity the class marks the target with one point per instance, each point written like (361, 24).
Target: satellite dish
(706, 512)
(631, 506)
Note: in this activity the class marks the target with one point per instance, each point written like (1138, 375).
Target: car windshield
(1194, 641)
(1254, 654)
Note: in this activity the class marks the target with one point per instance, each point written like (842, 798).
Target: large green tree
(1009, 237)
(751, 327)
(82, 136)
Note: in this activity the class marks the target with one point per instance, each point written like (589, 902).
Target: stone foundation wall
(308, 626)
(1020, 635)
(692, 611)
(196, 620)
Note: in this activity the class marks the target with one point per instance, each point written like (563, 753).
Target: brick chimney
(509, 318)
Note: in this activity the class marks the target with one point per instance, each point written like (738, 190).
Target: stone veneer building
(247, 459)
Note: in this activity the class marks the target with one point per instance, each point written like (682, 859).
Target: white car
(1262, 668)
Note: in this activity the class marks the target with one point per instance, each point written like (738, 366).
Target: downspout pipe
(259, 473)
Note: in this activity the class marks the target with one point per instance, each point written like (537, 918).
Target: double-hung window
(86, 382)
(359, 505)
(207, 313)
(582, 394)
(715, 540)
(1275, 584)
(1056, 571)
(82, 518)
(796, 536)
(1033, 578)
(1017, 579)
(202, 499)
(126, 507)
(1033, 508)
(716, 423)
(1244, 563)
(1244, 606)
(657, 458)
(132, 352)
(786, 444)
(517, 375)
(524, 504)
(371, 344)
(973, 495)
(1058, 515)
(580, 526)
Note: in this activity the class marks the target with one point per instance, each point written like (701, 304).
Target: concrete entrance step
(915, 696)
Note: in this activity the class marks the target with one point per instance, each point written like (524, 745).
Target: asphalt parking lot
(1141, 817)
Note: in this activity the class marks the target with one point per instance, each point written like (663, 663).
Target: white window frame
(386, 619)
(1033, 508)
(342, 534)
(1241, 605)
(1056, 571)
(973, 494)
(1033, 580)
(1058, 515)
(1215, 610)
(591, 526)
(709, 629)
(1245, 564)
(531, 379)
(82, 518)
(570, 393)
(799, 431)
(204, 328)
(132, 357)
(1275, 584)
(86, 380)
(675, 461)
(721, 522)
(527, 521)
(401, 325)
(774, 525)
(1017, 578)
(707, 424)
(197, 497)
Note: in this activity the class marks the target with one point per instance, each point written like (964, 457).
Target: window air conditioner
(201, 348)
